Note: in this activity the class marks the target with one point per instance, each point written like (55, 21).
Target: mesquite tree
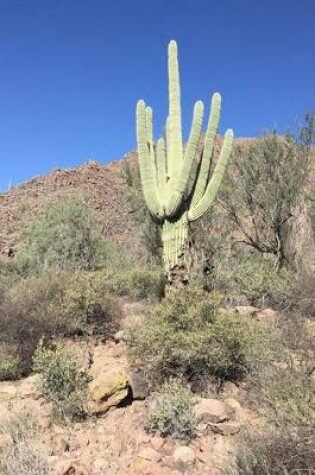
(173, 197)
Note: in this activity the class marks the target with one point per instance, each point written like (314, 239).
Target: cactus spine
(166, 168)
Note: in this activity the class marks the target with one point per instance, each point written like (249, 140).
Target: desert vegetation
(197, 357)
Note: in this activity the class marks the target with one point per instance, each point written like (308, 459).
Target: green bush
(56, 303)
(64, 383)
(252, 278)
(188, 336)
(63, 235)
(9, 362)
(139, 282)
(289, 450)
(285, 396)
(173, 414)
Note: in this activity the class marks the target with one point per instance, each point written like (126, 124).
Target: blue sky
(71, 72)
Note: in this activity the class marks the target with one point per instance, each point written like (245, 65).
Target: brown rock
(184, 457)
(141, 466)
(226, 428)
(150, 454)
(138, 384)
(212, 411)
(72, 467)
(58, 445)
(268, 316)
(157, 442)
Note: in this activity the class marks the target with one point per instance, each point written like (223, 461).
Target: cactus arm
(175, 126)
(212, 188)
(147, 168)
(161, 172)
(149, 132)
(207, 155)
(179, 187)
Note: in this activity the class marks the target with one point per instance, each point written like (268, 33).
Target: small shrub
(9, 362)
(252, 278)
(140, 282)
(286, 397)
(22, 454)
(188, 336)
(85, 305)
(63, 382)
(173, 414)
(289, 450)
(63, 235)
(56, 303)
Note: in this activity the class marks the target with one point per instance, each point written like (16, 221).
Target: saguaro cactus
(174, 197)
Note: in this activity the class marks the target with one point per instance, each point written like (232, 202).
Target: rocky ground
(112, 441)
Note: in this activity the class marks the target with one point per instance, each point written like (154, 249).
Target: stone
(141, 466)
(184, 457)
(212, 411)
(108, 389)
(150, 454)
(138, 384)
(268, 316)
(120, 336)
(58, 445)
(157, 442)
(226, 428)
(72, 467)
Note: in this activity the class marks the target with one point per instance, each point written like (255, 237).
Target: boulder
(184, 457)
(72, 467)
(150, 454)
(138, 384)
(108, 389)
(268, 316)
(212, 411)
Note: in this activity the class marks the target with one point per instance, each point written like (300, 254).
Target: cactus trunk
(166, 170)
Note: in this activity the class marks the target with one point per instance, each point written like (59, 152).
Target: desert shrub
(286, 397)
(264, 183)
(63, 235)
(252, 278)
(22, 454)
(63, 383)
(149, 230)
(9, 362)
(85, 306)
(57, 303)
(173, 415)
(289, 450)
(139, 282)
(188, 336)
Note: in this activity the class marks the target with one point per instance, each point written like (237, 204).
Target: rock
(247, 310)
(184, 457)
(212, 411)
(268, 316)
(139, 386)
(226, 428)
(72, 467)
(141, 466)
(120, 336)
(58, 445)
(108, 389)
(150, 454)
(235, 406)
(157, 442)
